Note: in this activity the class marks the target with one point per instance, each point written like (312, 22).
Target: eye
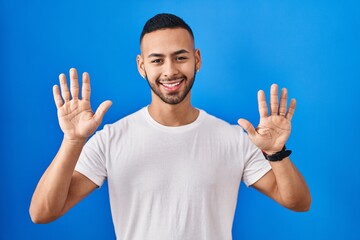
(156, 61)
(181, 58)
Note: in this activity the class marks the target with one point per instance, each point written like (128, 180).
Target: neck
(173, 115)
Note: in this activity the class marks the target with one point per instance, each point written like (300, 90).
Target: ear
(197, 60)
(140, 65)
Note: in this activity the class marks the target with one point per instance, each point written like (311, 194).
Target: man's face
(169, 62)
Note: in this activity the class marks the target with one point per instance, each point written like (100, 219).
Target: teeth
(171, 85)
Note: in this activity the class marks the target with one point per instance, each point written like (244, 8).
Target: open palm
(76, 118)
(273, 130)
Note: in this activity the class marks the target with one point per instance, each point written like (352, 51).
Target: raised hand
(76, 118)
(273, 130)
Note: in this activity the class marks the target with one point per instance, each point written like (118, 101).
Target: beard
(174, 97)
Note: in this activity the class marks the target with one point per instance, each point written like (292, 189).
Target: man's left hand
(273, 130)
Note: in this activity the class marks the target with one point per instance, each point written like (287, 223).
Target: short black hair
(163, 21)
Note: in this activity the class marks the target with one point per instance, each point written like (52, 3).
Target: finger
(291, 110)
(283, 102)
(57, 97)
(85, 92)
(74, 83)
(274, 101)
(101, 110)
(263, 109)
(64, 88)
(247, 126)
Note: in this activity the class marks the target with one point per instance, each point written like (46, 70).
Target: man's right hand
(76, 118)
(60, 187)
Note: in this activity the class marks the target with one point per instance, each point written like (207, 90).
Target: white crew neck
(174, 129)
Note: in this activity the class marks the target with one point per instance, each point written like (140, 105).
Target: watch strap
(278, 156)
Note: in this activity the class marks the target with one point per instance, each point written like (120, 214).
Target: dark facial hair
(173, 98)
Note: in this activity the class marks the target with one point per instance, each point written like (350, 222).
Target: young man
(173, 170)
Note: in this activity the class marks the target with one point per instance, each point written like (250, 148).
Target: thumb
(247, 126)
(101, 110)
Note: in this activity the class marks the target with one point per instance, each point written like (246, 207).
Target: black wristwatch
(278, 156)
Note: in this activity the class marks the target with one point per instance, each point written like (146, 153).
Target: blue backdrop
(310, 47)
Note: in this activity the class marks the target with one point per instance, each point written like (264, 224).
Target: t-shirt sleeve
(255, 164)
(92, 160)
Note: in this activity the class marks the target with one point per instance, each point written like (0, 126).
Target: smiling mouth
(172, 85)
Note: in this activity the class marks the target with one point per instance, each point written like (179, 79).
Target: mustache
(170, 79)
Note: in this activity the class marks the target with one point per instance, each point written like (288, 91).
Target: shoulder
(122, 125)
(133, 118)
(218, 122)
(220, 126)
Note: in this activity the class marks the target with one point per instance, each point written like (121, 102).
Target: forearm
(291, 186)
(52, 190)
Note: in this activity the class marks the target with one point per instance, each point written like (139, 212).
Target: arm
(61, 187)
(284, 183)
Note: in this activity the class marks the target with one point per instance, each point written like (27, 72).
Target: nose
(170, 69)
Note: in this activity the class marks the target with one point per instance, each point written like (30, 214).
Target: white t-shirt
(172, 183)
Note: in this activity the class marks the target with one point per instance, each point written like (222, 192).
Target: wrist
(74, 141)
(277, 156)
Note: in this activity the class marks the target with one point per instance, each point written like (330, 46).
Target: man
(173, 170)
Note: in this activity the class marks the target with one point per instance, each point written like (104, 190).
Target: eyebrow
(181, 51)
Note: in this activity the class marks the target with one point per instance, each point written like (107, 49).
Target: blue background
(310, 47)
